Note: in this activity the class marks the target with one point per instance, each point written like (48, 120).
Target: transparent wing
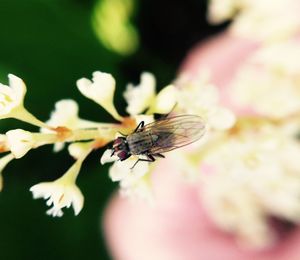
(174, 132)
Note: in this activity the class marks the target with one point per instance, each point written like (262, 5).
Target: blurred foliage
(50, 44)
(111, 23)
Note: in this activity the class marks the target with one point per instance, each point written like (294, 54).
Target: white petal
(18, 87)
(11, 98)
(101, 90)
(118, 171)
(55, 212)
(79, 150)
(65, 114)
(20, 142)
(220, 11)
(42, 190)
(77, 200)
(140, 97)
(107, 158)
(260, 20)
(59, 195)
(268, 82)
(105, 81)
(124, 171)
(221, 119)
(62, 192)
(165, 100)
(138, 189)
(58, 146)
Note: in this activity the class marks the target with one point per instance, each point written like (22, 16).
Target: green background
(50, 44)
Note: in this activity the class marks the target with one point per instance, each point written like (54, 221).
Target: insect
(163, 135)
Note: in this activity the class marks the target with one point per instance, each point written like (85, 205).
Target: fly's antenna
(122, 134)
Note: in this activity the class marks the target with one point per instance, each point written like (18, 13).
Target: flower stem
(23, 115)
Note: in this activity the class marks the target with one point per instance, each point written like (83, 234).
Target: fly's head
(121, 149)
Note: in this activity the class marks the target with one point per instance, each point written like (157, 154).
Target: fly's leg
(150, 158)
(140, 125)
(159, 155)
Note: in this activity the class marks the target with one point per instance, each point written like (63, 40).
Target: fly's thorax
(141, 142)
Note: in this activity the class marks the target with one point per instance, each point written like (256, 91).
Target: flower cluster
(247, 162)
(257, 179)
(82, 136)
(265, 20)
(251, 173)
(184, 96)
(63, 127)
(271, 66)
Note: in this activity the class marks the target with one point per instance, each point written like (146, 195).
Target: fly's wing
(174, 132)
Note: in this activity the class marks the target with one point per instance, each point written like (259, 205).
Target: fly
(163, 135)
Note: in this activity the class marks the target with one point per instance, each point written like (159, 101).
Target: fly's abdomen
(141, 142)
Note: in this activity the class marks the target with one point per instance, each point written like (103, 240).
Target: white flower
(143, 96)
(66, 115)
(133, 181)
(3, 162)
(101, 90)
(237, 211)
(281, 58)
(138, 189)
(79, 150)
(263, 20)
(12, 102)
(107, 157)
(253, 176)
(164, 101)
(61, 193)
(269, 81)
(198, 97)
(12, 97)
(20, 142)
(187, 162)
(140, 97)
(222, 10)
(122, 170)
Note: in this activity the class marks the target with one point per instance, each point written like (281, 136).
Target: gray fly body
(164, 135)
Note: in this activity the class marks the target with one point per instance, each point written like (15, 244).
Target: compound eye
(118, 141)
(123, 155)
